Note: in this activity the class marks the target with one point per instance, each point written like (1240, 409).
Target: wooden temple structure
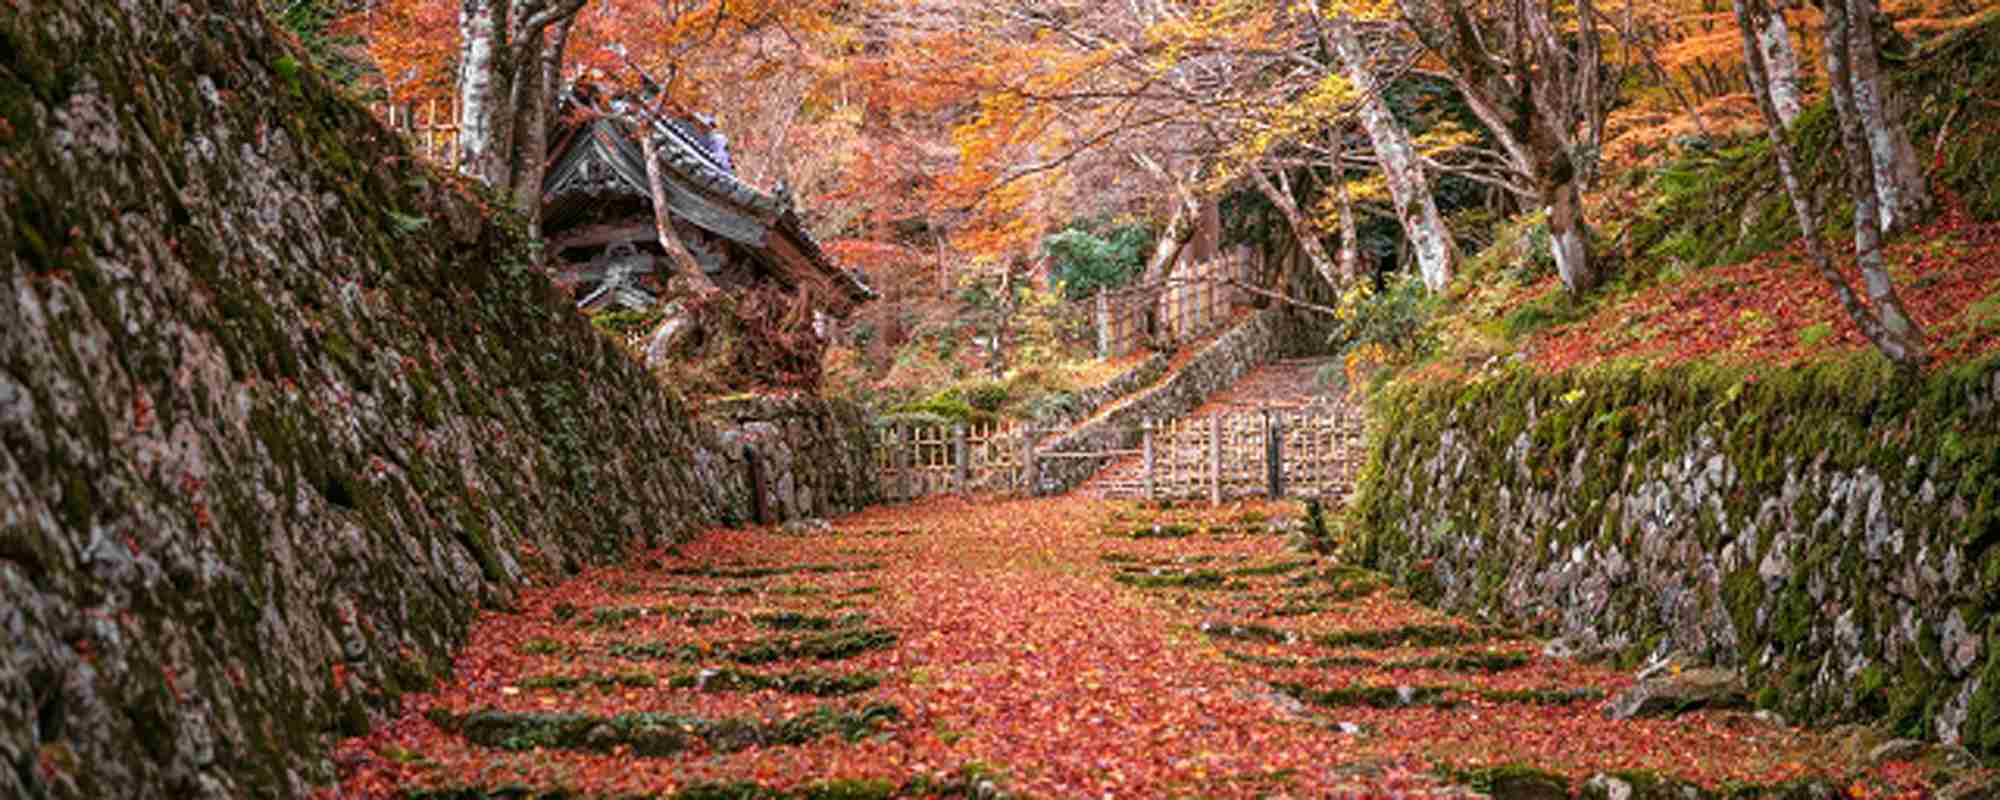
(598, 222)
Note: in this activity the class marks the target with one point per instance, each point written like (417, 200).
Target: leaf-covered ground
(1776, 310)
(1048, 648)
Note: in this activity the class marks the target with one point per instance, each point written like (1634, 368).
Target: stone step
(1414, 635)
(1484, 662)
(971, 782)
(834, 646)
(650, 734)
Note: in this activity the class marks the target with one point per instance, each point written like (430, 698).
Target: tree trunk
(1898, 177)
(663, 220)
(484, 90)
(1902, 344)
(1416, 208)
(502, 78)
(1569, 239)
(1781, 61)
(542, 78)
(1872, 195)
(1307, 238)
(1350, 238)
(1180, 226)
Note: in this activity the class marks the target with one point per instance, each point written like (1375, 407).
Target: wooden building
(597, 218)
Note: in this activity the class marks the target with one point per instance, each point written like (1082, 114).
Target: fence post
(1104, 343)
(1032, 475)
(1274, 452)
(1146, 445)
(1215, 460)
(962, 459)
(906, 461)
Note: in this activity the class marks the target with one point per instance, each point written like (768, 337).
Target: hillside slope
(280, 409)
(1711, 268)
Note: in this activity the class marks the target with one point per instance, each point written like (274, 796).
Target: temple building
(597, 219)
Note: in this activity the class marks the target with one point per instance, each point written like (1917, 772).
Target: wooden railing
(432, 128)
(1192, 303)
(1275, 451)
(1312, 450)
(914, 461)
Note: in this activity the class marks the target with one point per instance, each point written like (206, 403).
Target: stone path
(1051, 648)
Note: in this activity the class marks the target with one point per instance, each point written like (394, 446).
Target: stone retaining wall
(812, 458)
(281, 410)
(1831, 532)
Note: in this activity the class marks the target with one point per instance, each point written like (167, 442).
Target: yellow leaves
(1444, 136)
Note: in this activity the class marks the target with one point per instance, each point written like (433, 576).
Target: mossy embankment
(281, 408)
(1831, 531)
(1704, 458)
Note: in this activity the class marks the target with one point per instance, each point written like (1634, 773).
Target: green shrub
(625, 322)
(1395, 318)
(987, 396)
(1086, 261)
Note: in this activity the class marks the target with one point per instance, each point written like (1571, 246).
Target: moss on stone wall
(281, 408)
(1828, 529)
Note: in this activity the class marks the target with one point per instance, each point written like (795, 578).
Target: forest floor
(1062, 647)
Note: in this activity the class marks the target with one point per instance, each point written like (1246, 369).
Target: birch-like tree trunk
(1409, 187)
(537, 97)
(1180, 224)
(1350, 236)
(1901, 193)
(502, 90)
(1883, 321)
(1541, 90)
(1781, 60)
(484, 68)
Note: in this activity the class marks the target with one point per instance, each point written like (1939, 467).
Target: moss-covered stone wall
(1831, 532)
(812, 458)
(281, 409)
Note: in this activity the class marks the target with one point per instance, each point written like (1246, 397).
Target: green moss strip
(1400, 636)
(822, 647)
(1437, 696)
(1511, 781)
(969, 783)
(1162, 532)
(1198, 579)
(1279, 568)
(818, 684)
(1248, 632)
(622, 680)
(1448, 662)
(796, 621)
(653, 734)
(738, 573)
(1343, 578)
(1414, 636)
